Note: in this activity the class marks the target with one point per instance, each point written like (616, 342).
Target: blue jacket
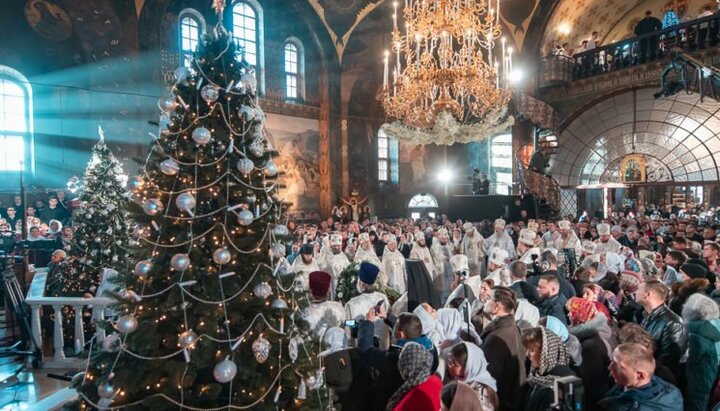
(703, 362)
(656, 396)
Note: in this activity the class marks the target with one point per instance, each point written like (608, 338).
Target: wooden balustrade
(37, 300)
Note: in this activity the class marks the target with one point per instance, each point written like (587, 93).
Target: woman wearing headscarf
(571, 342)
(595, 294)
(549, 360)
(420, 390)
(452, 328)
(702, 317)
(466, 362)
(457, 396)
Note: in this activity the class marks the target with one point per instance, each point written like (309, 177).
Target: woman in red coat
(420, 390)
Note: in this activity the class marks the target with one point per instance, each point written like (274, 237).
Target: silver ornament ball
(210, 93)
(245, 165)
(181, 75)
(127, 324)
(224, 371)
(281, 230)
(246, 113)
(245, 217)
(167, 104)
(187, 339)
(135, 183)
(106, 390)
(251, 198)
(143, 268)
(222, 256)
(256, 148)
(261, 349)
(185, 201)
(201, 136)
(169, 167)
(262, 290)
(249, 82)
(271, 169)
(180, 262)
(153, 206)
(279, 304)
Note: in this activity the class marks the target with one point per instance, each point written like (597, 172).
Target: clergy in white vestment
(526, 247)
(394, 264)
(441, 250)
(336, 260)
(567, 239)
(322, 313)
(366, 252)
(369, 298)
(606, 242)
(472, 247)
(497, 268)
(500, 239)
(420, 251)
(303, 265)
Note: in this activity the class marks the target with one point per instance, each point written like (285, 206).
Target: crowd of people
(45, 219)
(495, 315)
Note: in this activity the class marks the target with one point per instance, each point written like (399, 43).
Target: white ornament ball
(246, 113)
(281, 230)
(112, 342)
(127, 324)
(251, 198)
(97, 239)
(201, 136)
(245, 217)
(135, 183)
(210, 93)
(180, 262)
(261, 349)
(106, 390)
(143, 268)
(262, 290)
(279, 304)
(222, 256)
(249, 82)
(153, 206)
(167, 104)
(181, 75)
(257, 148)
(185, 201)
(245, 165)
(271, 169)
(224, 371)
(169, 167)
(187, 339)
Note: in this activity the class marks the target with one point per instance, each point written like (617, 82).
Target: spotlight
(445, 176)
(516, 76)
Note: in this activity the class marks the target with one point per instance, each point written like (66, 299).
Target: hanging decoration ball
(245, 217)
(106, 390)
(279, 304)
(152, 206)
(127, 324)
(185, 201)
(281, 230)
(245, 165)
(249, 82)
(181, 75)
(251, 198)
(293, 348)
(187, 339)
(135, 183)
(262, 290)
(264, 206)
(180, 262)
(271, 169)
(201, 136)
(224, 371)
(142, 268)
(261, 349)
(167, 104)
(222, 256)
(169, 167)
(246, 113)
(129, 295)
(256, 148)
(210, 93)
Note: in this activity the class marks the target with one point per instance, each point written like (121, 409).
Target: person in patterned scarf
(549, 360)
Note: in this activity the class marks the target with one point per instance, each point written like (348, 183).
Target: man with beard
(549, 235)
(441, 250)
(366, 252)
(500, 239)
(359, 306)
(472, 247)
(335, 261)
(421, 252)
(526, 247)
(303, 266)
(606, 242)
(394, 264)
(552, 301)
(497, 267)
(322, 313)
(567, 239)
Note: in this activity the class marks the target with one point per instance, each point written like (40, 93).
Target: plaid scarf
(414, 365)
(553, 354)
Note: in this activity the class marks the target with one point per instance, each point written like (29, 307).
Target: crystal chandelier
(446, 86)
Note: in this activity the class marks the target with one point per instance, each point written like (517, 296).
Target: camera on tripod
(569, 394)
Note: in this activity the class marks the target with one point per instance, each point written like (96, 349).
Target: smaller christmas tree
(101, 229)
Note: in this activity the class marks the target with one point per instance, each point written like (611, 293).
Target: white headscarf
(476, 367)
(428, 323)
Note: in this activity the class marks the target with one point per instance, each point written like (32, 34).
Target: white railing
(36, 300)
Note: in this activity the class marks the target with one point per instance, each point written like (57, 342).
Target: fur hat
(694, 270)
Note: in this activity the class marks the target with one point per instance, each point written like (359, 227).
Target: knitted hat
(319, 282)
(693, 270)
(368, 272)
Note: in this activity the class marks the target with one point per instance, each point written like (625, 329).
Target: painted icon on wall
(633, 169)
(48, 20)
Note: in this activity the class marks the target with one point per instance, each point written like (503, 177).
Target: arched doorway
(423, 205)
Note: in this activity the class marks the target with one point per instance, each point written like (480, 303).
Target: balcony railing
(694, 35)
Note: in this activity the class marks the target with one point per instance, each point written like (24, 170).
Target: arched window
(191, 25)
(294, 69)
(423, 205)
(248, 31)
(15, 122)
(501, 158)
(388, 159)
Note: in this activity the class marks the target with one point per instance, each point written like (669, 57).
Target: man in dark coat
(518, 275)
(648, 45)
(503, 348)
(665, 327)
(552, 302)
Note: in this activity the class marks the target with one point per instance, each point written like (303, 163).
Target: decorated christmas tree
(206, 322)
(100, 239)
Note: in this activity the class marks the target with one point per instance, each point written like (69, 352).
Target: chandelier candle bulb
(510, 66)
(385, 70)
(395, 15)
(497, 7)
(504, 72)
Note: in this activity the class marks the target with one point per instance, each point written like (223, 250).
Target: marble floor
(22, 387)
